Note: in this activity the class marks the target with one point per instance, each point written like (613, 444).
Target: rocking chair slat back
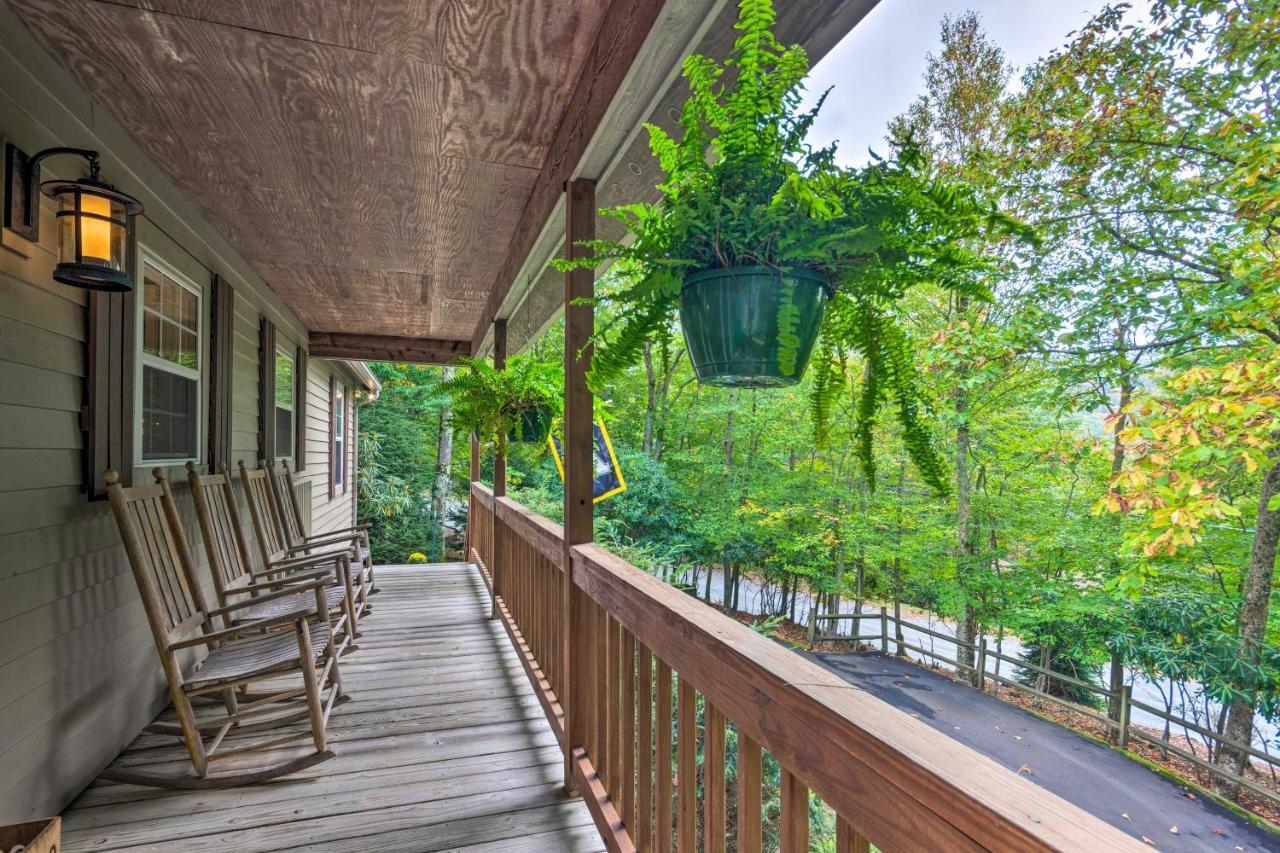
(220, 525)
(157, 550)
(262, 510)
(287, 501)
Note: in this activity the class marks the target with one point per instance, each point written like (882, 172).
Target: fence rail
(1120, 703)
(645, 687)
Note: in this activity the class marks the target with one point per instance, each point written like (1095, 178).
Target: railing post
(1122, 738)
(982, 665)
(499, 472)
(579, 447)
(884, 632)
(813, 625)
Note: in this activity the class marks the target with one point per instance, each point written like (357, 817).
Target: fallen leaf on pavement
(1217, 831)
(1174, 829)
(1125, 815)
(1026, 768)
(1146, 840)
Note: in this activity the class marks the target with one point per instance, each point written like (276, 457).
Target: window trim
(283, 349)
(142, 359)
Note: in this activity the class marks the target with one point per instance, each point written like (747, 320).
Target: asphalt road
(1098, 779)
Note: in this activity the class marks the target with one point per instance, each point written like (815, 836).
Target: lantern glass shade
(93, 234)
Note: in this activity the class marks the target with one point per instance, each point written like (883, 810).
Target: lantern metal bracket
(22, 180)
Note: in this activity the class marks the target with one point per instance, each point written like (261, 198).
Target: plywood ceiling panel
(370, 159)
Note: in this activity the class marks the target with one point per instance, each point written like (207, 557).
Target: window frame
(283, 350)
(143, 359)
(339, 427)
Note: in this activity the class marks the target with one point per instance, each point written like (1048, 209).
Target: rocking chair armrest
(288, 580)
(292, 564)
(325, 539)
(215, 637)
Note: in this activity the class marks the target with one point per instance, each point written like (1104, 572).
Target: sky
(878, 69)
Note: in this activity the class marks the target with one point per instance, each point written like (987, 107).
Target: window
(169, 366)
(339, 437)
(284, 390)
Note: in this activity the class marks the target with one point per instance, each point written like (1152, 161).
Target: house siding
(79, 676)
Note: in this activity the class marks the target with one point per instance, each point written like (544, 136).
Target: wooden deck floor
(443, 747)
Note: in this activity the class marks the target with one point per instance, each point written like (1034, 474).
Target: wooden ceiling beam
(398, 348)
(618, 41)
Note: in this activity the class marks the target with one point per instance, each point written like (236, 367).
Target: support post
(813, 626)
(1122, 739)
(884, 631)
(499, 474)
(471, 509)
(579, 446)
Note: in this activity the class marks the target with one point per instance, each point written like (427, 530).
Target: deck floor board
(443, 746)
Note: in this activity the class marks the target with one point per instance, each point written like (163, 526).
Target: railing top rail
(543, 533)
(483, 493)
(888, 773)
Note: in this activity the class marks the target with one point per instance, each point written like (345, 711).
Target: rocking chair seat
(301, 602)
(256, 655)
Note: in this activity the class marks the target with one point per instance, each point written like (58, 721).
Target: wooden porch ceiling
(371, 160)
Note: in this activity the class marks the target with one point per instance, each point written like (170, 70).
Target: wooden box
(37, 836)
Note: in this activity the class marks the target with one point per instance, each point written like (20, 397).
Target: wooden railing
(664, 685)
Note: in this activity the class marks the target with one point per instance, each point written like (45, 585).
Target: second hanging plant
(763, 244)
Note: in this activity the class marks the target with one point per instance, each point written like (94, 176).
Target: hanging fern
(490, 402)
(742, 187)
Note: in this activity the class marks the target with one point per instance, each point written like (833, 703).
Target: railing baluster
(848, 840)
(749, 805)
(713, 785)
(687, 772)
(610, 772)
(627, 705)
(662, 818)
(795, 815)
(643, 833)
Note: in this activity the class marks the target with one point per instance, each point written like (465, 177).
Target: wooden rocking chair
(291, 516)
(274, 549)
(248, 653)
(232, 570)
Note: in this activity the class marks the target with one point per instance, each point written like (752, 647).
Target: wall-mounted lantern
(93, 219)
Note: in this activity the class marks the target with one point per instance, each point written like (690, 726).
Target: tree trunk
(966, 550)
(651, 401)
(1116, 685)
(444, 464)
(1252, 625)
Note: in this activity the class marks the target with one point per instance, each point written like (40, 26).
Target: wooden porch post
(579, 286)
(499, 471)
(471, 508)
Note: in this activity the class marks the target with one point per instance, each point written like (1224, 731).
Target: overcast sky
(878, 69)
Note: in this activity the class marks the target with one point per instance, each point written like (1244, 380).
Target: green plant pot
(534, 426)
(731, 319)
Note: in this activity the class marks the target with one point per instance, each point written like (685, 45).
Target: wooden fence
(1120, 704)
(654, 682)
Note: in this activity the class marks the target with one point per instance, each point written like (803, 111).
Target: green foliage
(490, 402)
(742, 187)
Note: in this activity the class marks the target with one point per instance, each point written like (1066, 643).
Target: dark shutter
(107, 419)
(221, 358)
(300, 411)
(333, 445)
(266, 390)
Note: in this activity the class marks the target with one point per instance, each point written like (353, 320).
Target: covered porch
(445, 747)
(391, 186)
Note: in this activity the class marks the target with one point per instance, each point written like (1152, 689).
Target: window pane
(169, 342)
(284, 380)
(169, 414)
(189, 309)
(150, 333)
(339, 461)
(151, 288)
(284, 432)
(188, 355)
(169, 293)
